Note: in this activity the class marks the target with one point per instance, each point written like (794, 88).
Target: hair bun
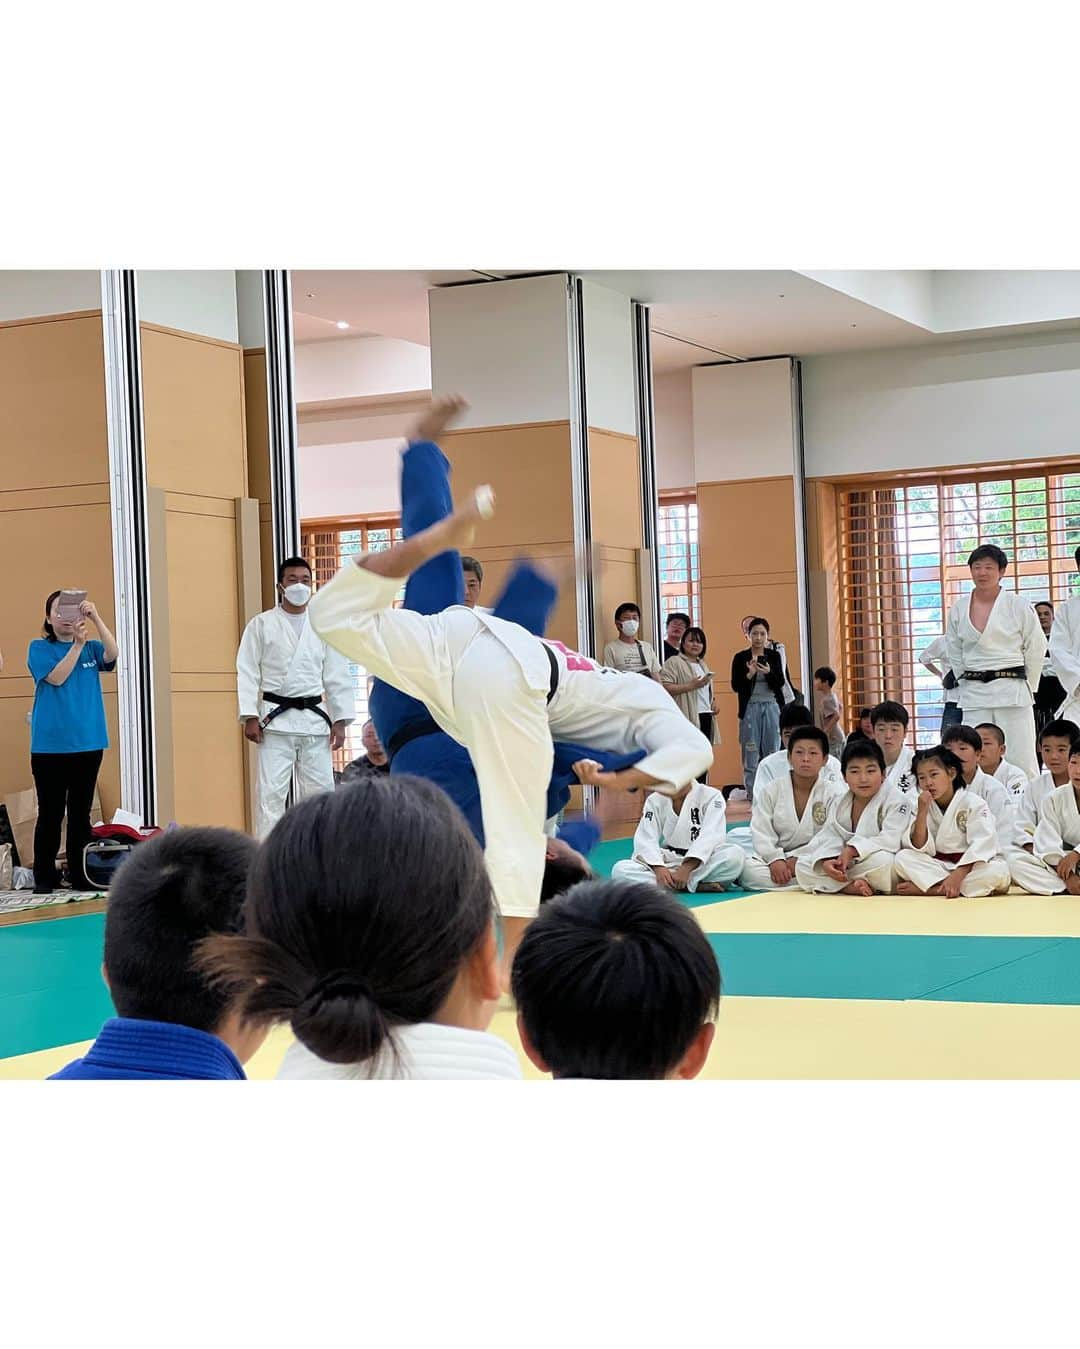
(338, 984)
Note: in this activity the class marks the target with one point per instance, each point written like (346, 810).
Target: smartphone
(68, 605)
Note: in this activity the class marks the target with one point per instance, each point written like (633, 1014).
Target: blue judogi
(127, 1048)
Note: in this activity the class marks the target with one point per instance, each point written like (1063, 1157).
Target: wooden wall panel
(204, 615)
(615, 489)
(823, 579)
(616, 580)
(208, 759)
(193, 396)
(258, 463)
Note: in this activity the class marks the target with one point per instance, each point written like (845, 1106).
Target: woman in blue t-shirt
(68, 736)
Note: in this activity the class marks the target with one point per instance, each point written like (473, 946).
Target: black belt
(412, 730)
(553, 687)
(987, 676)
(283, 704)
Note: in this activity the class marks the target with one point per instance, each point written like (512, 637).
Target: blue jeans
(951, 715)
(759, 736)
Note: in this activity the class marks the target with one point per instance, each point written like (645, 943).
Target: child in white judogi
(855, 851)
(994, 764)
(681, 843)
(890, 722)
(776, 765)
(951, 847)
(966, 744)
(1055, 746)
(1051, 867)
(790, 813)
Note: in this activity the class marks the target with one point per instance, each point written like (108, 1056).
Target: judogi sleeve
(1065, 646)
(338, 686)
(713, 833)
(762, 829)
(1033, 644)
(894, 818)
(647, 835)
(1049, 841)
(249, 670)
(929, 847)
(1027, 815)
(831, 838)
(982, 838)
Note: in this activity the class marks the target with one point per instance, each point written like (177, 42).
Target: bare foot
(438, 417)
(859, 887)
(907, 888)
(1072, 883)
(711, 887)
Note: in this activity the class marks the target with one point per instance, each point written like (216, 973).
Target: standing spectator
(68, 734)
(628, 652)
(673, 634)
(865, 729)
(1050, 695)
(373, 762)
(689, 681)
(757, 678)
(789, 692)
(827, 709)
(933, 657)
(474, 580)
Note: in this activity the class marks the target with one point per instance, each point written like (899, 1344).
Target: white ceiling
(704, 316)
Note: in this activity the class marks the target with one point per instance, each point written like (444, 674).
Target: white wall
(504, 346)
(673, 430)
(609, 359)
(250, 314)
(31, 294)
(742, 420)
(358, 478)
(360, 367)
(954, 403)
(201, 302)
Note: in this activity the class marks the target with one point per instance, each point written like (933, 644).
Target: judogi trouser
(282, 754)
(875, 868)
(722, 867)
(1033, 875)
(984, 878)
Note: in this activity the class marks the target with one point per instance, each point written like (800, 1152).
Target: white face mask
(297, 594)
(629, 627)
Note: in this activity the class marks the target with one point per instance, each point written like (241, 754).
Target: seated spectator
(966, 744)
(950, 847)
(681, 843)
(777, 765)
(628, 651)
(616, 981)
(790, 813)
(174, 891)
(690, 682)
(673, 633)
(993, 762)
(865, 729)
(889, 721)
(373, 762)
(382, 957)
(1051, 867)
(827, 709)
(855, 852)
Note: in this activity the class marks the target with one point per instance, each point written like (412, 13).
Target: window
(326, 544)
(677, 548)
(903, 562)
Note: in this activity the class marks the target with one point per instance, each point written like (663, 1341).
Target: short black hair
(1062, 728)
(889, 711)
(628, 607)
(699, 633)
(560, 873)
(293, 562)
(174, 891)
(614, 980)
(758, 622)
(672, 617)
(814, 733)
(945, 757)
(795, 714)
(989, 552)
(47, 627)
(1076, 558)
(347, 944)
(968, 735)
(826, 673)
(471, 564)
(862, 749)
(998, 733)
(1045, 604)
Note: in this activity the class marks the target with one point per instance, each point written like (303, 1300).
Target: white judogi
(1029, 806)
(1013, 779)
(699, 830)
(1012, 637)
(778, 832)
(486, 683)
(966, 830)
(901, 775)
(936, 652)
(1065, 656)
(276, 656)
(777, 765)
(1057, 833)
(1001, 804)
(876, 838)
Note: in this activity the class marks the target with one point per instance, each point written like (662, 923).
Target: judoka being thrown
(503, 694)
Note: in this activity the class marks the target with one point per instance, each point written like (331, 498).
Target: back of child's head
(795, 714)
(942, 755)
(812, 733)
(174, 891)
(858, 750)
(363, 906)
(614, 980)
(1062, 729)
(964, 735)
(889, 711)
(826, 674)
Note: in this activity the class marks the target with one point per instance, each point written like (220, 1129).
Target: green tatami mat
(896, 968)
(51, 989)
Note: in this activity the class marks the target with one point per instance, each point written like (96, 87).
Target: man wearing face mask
(296, 698)
(629, 652)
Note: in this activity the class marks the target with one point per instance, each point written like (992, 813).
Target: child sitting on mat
(855, 851)
(1051, 867)
(681, 843)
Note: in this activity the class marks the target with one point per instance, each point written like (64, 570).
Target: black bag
(641, 654)
(103, 858)
(7, 835)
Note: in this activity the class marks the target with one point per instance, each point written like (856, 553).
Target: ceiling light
(342, 324)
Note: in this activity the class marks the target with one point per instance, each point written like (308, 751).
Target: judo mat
(815, 986)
